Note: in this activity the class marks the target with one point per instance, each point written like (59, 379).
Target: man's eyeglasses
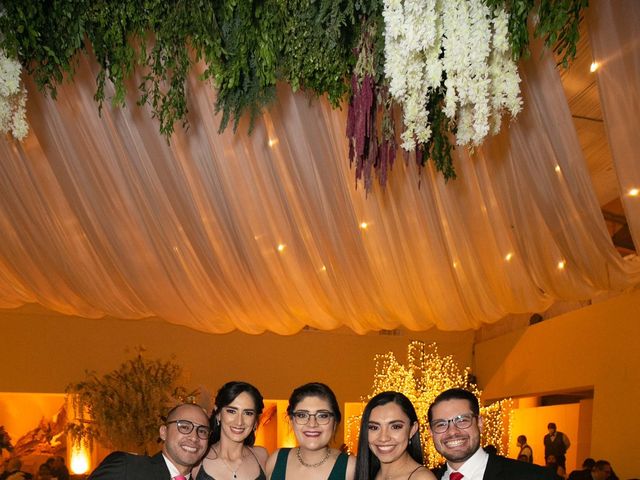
(186, 427)
(301, 417)
(461, 421)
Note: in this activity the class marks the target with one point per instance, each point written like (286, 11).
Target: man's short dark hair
(600, 465)
(588, 463)
(455, 394)
(551, 425)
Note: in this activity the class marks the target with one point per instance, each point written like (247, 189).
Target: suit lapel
(493, 470)
(159, 467)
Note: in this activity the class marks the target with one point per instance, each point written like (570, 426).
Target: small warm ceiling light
(455, 264)
(508, 256)
(557, 169)
(562, 264)
(634, 192)
(593, 67)
(280, 247)
(364, 225)
(323, 268)
(272, 141)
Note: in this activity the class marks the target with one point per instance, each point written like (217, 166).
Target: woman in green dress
(314, 414)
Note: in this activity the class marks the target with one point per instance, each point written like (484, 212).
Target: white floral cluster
(462, 42)
(412, 49)
(503, 71)
(13, 99)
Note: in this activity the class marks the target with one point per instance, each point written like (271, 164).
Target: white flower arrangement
(13, 98)
(460, 45)
(413, 67)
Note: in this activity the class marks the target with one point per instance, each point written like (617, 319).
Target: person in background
(314, 414)
(456, 425)
(13, 470)
(491, 449)
(58, 468)
(602, 470)
(526, 452)
(556, 443)
(234, 421)
(389, 444)
(185, 434)
(552, 464)
(585, 472)
(44, 471)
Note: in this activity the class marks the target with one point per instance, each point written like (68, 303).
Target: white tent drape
(100, 216)
(614, 29)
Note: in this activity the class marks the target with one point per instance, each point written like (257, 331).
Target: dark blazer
(127, 466)
(502, 468)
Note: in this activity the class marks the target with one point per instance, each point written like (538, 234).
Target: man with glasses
(455, 424)
(185, 435)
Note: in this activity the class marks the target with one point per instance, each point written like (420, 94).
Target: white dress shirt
(472, 469)
(173, 471)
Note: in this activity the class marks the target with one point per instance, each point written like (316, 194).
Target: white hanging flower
(503, 71)
(460, 45)
(13, 99)
(413, 67)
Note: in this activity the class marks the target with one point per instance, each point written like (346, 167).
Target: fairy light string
(426, 374)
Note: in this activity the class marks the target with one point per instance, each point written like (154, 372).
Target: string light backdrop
(425, 375)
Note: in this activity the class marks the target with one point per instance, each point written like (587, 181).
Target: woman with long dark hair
(234, 420)
(389, 445)
(314, 414)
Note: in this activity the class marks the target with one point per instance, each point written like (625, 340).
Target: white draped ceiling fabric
(615, 41)
(101, 216)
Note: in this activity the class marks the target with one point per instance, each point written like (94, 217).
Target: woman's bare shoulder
(423, 474)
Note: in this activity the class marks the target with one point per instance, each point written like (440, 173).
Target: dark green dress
(338, 472)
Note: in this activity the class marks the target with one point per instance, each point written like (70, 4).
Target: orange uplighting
(79, 462)
(286, 437)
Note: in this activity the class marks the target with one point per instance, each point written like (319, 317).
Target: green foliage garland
(318, 35)
(251, 34)
(125, 407)
(246, 45)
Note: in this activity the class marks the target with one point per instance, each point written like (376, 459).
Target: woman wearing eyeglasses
(389, 445)
(314, 414)
(234, 421)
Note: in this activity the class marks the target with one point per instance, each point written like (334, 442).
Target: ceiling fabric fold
(222, 231)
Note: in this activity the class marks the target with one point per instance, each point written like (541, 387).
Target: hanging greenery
(123, 409)
(247, 46)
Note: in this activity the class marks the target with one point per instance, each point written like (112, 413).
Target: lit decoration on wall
(426, 374)
(79, 460)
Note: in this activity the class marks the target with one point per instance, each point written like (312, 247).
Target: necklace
(311, 465)
(234, 473)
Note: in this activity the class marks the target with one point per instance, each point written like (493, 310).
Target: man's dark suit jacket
(126, 466)
(502, 468)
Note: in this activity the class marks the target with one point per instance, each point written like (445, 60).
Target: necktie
(455, 476)
(179, 477)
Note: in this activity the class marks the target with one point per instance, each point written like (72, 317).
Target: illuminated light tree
(425, 375)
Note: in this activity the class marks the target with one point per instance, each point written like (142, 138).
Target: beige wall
(45, 352)
(595, 347)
